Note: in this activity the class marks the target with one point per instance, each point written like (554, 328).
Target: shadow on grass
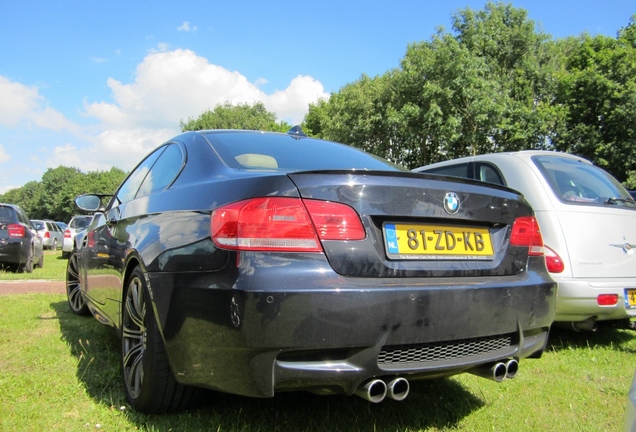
(606, 336)
(435, 403)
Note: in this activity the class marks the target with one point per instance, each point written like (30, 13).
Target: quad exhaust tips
(376, 390)
(498, 371)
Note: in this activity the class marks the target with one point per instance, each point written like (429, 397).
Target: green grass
(61, 372)
(54, 269)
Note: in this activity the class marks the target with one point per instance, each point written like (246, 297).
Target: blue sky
(99, 84)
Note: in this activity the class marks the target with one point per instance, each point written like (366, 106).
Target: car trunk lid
(601, 241)
(413, 228)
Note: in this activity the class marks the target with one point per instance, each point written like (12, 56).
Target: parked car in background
(253, 263)
(77, 224)
(588, 222)
(21, 246)
(52, 235)
(62, 225)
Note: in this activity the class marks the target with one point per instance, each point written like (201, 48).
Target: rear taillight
(553, 261)
(607, 299)
(283, 224)
(90, 242)
(47, 235)
(16, 230)
(525, 232)
(67, 233)
(334, 221)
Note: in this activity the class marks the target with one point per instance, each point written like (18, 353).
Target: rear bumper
(267, 329)
(12, 252)
(577, 300)
(67, 244)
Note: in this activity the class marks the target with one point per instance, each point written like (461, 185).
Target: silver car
(588, 222)
(52, 235)
(78, 223)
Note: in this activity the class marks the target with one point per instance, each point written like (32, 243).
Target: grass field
(54, 269)
(61, 372)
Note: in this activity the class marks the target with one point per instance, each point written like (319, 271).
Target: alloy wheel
(134, 334)
(73, 287)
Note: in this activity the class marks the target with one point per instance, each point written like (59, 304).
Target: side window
(129, 189)
(488, 173)
(22, 217)
(459, 170)
(163, 172)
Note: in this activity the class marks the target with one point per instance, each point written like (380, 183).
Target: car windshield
(576, 182)
(38, 225)
(249, 150)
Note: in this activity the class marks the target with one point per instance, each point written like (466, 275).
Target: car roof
(521, 154)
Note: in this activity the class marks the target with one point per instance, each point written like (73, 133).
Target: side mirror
(90, 202)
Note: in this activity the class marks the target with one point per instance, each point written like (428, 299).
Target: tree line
(493, 83)
(54, 196)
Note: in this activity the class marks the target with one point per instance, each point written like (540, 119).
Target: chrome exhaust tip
(398, 389)
(512, 367)
(495, 371)
(374, 391)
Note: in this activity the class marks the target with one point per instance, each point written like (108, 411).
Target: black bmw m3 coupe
(253, 262)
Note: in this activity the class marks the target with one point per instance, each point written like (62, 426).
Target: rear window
(576, 182)
(80, 222)
(264, 151)
(7, 215)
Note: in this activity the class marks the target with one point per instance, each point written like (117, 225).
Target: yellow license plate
(630, 298)
(406, 241)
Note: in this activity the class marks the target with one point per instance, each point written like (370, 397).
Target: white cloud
(21, 104)
(99, 60)
(260, 81)
(185, 27)
(293, 102)
(176, 85)
(168, 86)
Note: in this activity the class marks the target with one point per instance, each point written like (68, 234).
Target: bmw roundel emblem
(451, 203)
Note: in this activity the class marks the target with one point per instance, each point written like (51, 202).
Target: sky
(97, 84)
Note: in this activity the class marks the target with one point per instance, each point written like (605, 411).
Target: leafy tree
(54, 196)
(356, 115)
(28, 197)
(60, 186)
(597, 91)
(486, 87)
(241, 116)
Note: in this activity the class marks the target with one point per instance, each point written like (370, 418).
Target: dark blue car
(252, 263)
(21, 247)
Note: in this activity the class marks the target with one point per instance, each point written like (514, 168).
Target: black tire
(41, 263)
(27, 267)
(74, 295)
(149, 383)
(54, 247)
